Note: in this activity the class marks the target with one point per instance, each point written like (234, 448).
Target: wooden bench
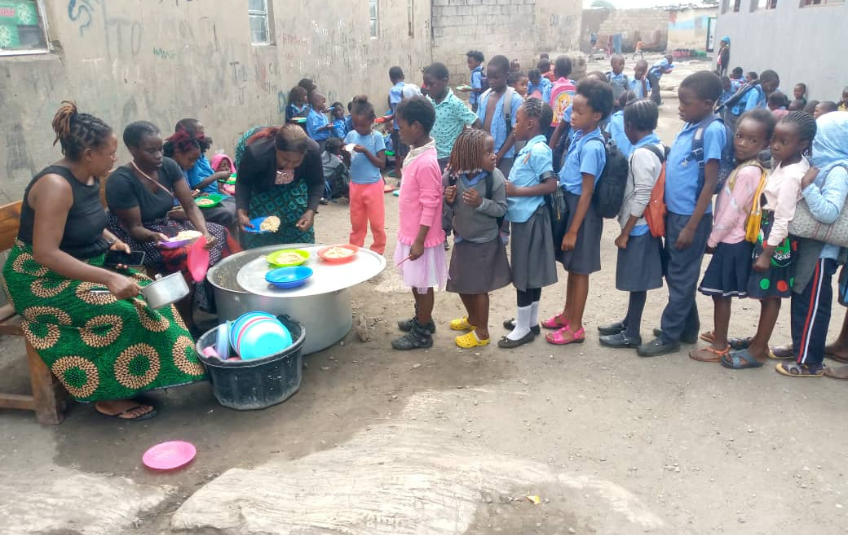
(49, 397)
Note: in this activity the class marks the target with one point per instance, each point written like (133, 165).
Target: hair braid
(468, 152)
(76, 132)
(805, 124)
(536, 109)
(642, 114)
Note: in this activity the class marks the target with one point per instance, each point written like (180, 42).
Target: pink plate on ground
(169, 455)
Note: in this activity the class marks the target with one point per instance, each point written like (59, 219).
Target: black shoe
(406, 326)
(506, 343)
(419, 338)
(510, 325)
(685, 338)
(658, 347)
(612, 328)
(620, 340)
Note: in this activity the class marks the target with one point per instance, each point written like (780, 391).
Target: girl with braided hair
(475, 190)
(775, 251)
(87, 323)
(532, 244)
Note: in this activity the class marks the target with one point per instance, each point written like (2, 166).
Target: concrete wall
(649, 25)
(161, 60)
(801, 44)
(688, 28)
(518, 29)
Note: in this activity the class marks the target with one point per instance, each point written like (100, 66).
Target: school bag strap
(507, 106)
(490, 185)
(697, 153)
(656, 210)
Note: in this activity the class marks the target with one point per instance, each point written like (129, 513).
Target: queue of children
(499, 163)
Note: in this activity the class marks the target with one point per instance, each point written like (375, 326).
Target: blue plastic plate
(256, 223)
(289, 277)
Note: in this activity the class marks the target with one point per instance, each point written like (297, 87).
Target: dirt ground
(608, 441)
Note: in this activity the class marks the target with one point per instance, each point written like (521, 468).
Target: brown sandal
(708, 354)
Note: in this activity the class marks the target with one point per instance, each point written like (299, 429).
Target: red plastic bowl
(322, 254)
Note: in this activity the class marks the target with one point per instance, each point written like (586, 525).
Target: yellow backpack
(755, 215)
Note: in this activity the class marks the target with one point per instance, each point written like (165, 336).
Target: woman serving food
(87, 323)
(280, 177)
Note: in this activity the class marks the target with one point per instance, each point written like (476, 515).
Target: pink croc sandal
(558, 338)
(555, 322)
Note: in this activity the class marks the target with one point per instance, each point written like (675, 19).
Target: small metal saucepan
(165, 291)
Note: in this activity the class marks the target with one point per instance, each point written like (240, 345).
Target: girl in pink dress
(420, 252)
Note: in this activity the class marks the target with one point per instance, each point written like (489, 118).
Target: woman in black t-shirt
(88, 324)
(142, 197)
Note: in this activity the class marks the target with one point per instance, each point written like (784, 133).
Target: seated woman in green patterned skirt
(87, 323)
(280, 174)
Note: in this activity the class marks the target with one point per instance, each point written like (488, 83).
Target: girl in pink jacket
(420, 253)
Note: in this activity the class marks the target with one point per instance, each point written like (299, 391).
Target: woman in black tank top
(87, 323)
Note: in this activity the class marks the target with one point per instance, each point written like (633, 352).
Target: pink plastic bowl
(169, 455)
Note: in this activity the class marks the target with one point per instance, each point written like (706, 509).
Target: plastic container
(256, 384)
(255, 340)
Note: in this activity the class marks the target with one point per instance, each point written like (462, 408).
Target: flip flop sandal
(555, 322)
(708, 337)
(740, 343)
(506, 343)
(708, 354)
(740, 360)
(145, 416)
(461, 325)
(510, 325)
(782, 353)
(470, 341)
(557, 338)
(793, 369)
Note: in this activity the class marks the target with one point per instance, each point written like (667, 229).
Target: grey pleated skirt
(585, 258)
(639, 266)
(531, 250)
(478, 268)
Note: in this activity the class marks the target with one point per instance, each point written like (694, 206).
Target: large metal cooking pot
(165, 291)
(326, 316)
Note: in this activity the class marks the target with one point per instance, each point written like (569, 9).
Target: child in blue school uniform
(491, 111)
(689, 202)
(339, 123)
(640, 84)
(615, 127)
(531, 247)
(639, 264)
(580, 250)
(475, 65)
(317, 125)
(298, 104)
(539, 86)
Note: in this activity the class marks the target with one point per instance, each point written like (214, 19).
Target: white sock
(522, 324)
(534, 314)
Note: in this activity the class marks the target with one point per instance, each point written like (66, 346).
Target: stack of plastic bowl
(258, 334)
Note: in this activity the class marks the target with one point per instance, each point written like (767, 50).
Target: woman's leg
(358, 215)
(721, 321)
(579, 286)
(569, 292)
(125, 409)
(769, 311)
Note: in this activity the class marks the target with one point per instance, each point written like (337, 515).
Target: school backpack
(617, 87)
(737, 97)
(507, 106)
(609, 189)
(656, 211)
(725, 164)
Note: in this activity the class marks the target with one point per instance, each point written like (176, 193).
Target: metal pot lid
(326, 278)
